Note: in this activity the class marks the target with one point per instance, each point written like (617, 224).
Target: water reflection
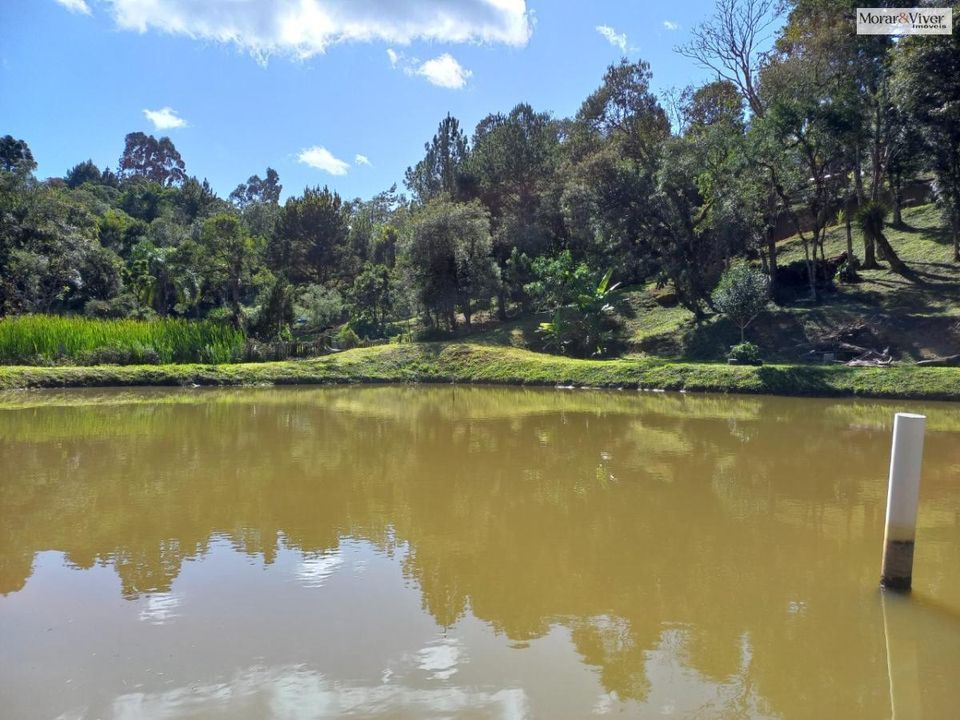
(295, 692)
(418, 551)
(313, 570)
(158, 608)
(440, 658)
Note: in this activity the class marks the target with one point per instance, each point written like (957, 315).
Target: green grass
(922, 241)
(50, 339)
(486, 364)
(915, 320)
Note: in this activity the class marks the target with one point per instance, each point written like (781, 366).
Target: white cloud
(444, 71)
(322, 159)
(75, 6)
(359, 159)
(306, 27)
(670, 25)
(613, 37)
(164, 118)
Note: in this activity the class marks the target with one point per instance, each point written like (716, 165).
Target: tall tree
(158, 161)
(233, 256)
(441, 169)
(257, 190)
(513, 167)
(15, 156)
(83, 172)
(853, 75)
(309, 237)
(706, 207)
(823, 32)
(614, 149)
(449, 257)
(802, 129)
(197, 199)
(732, 44)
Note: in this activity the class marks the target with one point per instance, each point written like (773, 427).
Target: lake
(431, 552)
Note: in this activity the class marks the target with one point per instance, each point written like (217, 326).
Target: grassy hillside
(915, 321)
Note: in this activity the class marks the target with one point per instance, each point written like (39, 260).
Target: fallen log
(876, 362)
(945, 361)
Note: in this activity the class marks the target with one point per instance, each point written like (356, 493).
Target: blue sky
(287, 83)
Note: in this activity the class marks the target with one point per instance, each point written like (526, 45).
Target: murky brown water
(467, 552)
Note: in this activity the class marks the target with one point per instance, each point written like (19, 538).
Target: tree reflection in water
(731, 544)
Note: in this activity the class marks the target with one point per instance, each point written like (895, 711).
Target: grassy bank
(467, 363)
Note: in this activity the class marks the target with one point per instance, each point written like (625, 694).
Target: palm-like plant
(585, 328)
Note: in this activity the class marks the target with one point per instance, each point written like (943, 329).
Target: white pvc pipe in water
(902, 497)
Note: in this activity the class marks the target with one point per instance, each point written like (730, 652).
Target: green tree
(441, 170)
(15, 156)
(102, 277)
(155, 160)
(319, 307)
(705, 208)
(233, 257)
(197, 200)
(449, 259)
(838, 79)
(613, 148)
(276, 309)
(372, 299)
(742, 294)
(145, 200)
(811, 112)
(257, 190)
(44, 246)
(559, 280)
(310, 236)
(513, 169)
(84, 172)
(154, 279)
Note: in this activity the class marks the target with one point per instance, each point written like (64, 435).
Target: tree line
(529, 211)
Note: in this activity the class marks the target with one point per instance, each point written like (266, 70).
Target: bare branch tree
(728, 43)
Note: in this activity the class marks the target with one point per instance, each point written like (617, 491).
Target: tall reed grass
(51, 339)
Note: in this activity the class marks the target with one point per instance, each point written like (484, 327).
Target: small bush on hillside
(346, 338)
(318, 307)
(745, 353)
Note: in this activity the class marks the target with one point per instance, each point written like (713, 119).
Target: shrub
(318, 307)
(745, 353)
(587, 328)
(346, 338)
(559, 281)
